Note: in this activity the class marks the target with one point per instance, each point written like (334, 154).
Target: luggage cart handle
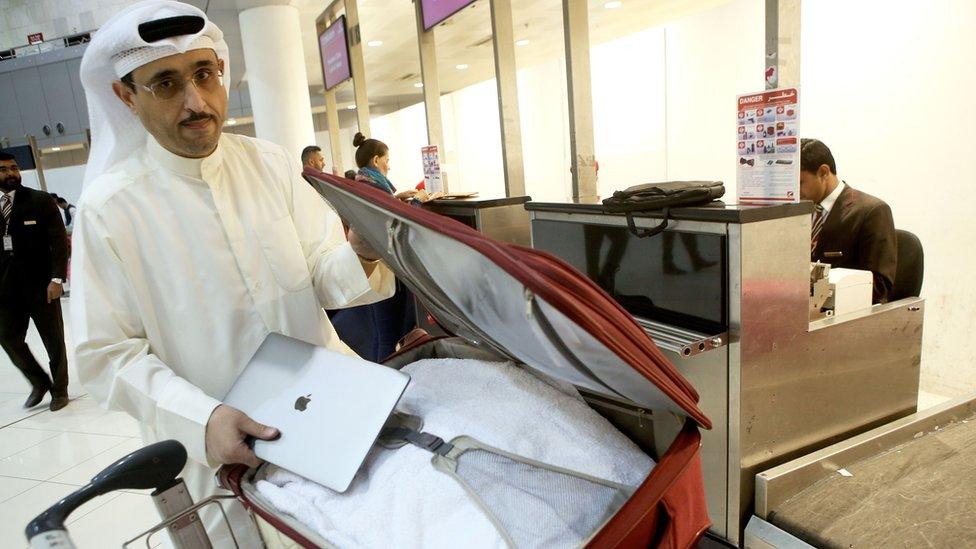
(155, 466)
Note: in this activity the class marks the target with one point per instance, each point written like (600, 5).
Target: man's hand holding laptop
(227, 432)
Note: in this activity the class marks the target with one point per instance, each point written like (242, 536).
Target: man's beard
(10, 183)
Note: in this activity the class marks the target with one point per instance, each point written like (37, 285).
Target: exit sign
(35, 38)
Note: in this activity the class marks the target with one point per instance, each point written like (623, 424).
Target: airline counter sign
(433, 182)
(768, 147)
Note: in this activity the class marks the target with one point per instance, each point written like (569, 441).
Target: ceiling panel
(393, 68)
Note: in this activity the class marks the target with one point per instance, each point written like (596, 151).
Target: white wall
(475, 147)
(65, 182)
(663, 105)
(887, 85)
(711, 57)
(544, 121)
(630, 110)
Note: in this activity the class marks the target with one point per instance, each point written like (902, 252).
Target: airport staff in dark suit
(33, 265)
(851, 229)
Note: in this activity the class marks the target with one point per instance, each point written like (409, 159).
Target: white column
(276, 76)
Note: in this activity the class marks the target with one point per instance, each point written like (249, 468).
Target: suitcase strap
(425, 441)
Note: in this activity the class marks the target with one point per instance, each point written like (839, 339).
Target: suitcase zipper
(634, 411)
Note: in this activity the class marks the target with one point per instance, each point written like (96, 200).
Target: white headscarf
(116, 50)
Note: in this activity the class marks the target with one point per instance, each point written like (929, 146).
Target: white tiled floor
(45, 456)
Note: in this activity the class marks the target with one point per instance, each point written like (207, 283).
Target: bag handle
(644, 233)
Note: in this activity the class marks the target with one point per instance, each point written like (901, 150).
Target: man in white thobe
(190, 245)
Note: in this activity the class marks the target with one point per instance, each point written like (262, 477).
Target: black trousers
(15, 317)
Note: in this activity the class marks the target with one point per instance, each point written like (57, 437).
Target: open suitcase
(526, 306)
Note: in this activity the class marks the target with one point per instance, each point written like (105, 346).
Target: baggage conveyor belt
(917, 488)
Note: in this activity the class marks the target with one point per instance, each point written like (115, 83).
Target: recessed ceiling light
(461, 67)
(231, 121)
(350, 107)
(522, 42)
(613, 5)
(55, 149)
(418, 84)
(377, 43)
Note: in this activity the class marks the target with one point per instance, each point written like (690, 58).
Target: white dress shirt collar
(828, 203)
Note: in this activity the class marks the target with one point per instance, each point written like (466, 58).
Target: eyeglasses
(168, 88)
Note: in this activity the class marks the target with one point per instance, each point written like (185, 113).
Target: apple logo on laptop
(302, 402)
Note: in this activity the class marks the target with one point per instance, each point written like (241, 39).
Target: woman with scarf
(374, 330)
(373, 159)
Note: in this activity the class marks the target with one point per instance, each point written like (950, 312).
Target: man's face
(9, 175)
(813, 185)
(188, 123)
(317, 161)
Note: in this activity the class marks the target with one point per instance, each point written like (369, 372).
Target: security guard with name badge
(33, 265)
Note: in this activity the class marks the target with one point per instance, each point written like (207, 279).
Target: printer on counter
(835, 292)
(850, 290)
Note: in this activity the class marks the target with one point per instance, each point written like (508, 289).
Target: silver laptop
(328, 406)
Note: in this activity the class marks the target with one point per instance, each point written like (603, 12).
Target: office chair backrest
(911, 266)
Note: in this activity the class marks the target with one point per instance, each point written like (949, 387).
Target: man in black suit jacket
(851, 229)
(33, 265)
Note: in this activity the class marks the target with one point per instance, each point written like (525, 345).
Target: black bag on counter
(661, 196)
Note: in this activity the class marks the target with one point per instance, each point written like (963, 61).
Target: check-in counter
(725, 293)
(503, 219)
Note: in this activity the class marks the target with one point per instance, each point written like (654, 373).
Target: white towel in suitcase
(398, 499)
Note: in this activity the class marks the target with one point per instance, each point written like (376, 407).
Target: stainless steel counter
(503, 219)
(778, 386)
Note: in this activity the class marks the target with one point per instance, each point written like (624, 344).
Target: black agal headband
(161, 29)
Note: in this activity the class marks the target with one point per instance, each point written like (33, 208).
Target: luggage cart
(506, 302)
(156, 467)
